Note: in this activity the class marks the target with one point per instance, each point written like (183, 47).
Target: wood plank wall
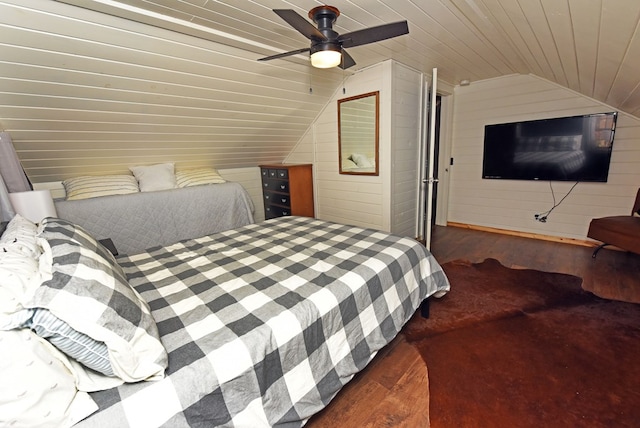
(349, 199)
(405, 153)
(388, 201)
(86, 93)
(511, 205)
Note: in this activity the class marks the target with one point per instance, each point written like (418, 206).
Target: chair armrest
(636, 205)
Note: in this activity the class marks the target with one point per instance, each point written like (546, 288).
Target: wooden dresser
(287, 189)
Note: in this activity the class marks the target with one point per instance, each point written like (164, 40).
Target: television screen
(576, 148)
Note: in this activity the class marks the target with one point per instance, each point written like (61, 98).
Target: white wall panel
(89, 93)
(387, 201)
(348, 199)
(405, 148)
(511, 204)
(84, 92)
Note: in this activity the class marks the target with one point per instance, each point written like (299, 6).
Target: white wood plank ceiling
(84, 91)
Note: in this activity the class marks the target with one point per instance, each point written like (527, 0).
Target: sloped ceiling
(97, 88)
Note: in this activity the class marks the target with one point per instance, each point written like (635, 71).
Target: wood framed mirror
(358, 134)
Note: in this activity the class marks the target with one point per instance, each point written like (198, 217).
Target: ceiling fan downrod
(325, 17)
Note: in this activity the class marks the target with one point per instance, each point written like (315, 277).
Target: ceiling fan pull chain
(344, 90)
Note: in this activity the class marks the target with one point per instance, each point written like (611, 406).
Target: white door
(427, 179)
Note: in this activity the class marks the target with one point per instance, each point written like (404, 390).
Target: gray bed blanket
(144, 220)
(265, 323)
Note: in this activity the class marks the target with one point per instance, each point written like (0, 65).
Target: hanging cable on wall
(542, 217)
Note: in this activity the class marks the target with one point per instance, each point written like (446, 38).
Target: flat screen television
(576, 148)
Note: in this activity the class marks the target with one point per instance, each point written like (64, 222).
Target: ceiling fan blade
(373, 34)
(347, 61)
(297, 51)
(299, 23)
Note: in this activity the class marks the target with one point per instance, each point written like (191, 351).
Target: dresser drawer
(277, 199)
(283, 174)
(282, 200)
(273, 211)
(281, 186)
(275, 185)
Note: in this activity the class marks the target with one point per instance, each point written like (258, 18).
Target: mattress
(265, 323)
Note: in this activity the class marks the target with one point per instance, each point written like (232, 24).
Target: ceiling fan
(327, 46)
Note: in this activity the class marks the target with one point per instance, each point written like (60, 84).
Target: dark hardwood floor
(393, 390)
(612, 274)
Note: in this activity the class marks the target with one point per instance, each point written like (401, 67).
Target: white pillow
(197, 177)
(19, 278)
(361, 160)
(20, 234)
(348, 164)
(20, 272)
(100, 185)
(37, 388)
(155, 177)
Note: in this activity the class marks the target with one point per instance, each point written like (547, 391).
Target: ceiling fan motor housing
(324, 46)
(325, 17)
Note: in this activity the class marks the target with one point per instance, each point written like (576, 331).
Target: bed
(137, 221)
(262, 324)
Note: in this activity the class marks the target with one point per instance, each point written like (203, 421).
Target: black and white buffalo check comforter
(264, 324)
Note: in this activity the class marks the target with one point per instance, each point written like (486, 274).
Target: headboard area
(137, 221)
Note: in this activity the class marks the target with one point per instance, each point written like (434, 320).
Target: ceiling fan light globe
(326, 59)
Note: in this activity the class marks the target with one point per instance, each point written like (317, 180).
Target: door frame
(426, 158)
(427, 217)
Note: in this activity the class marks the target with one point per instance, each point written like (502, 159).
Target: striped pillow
(198, 177)
(102, 185)
(82, 348)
